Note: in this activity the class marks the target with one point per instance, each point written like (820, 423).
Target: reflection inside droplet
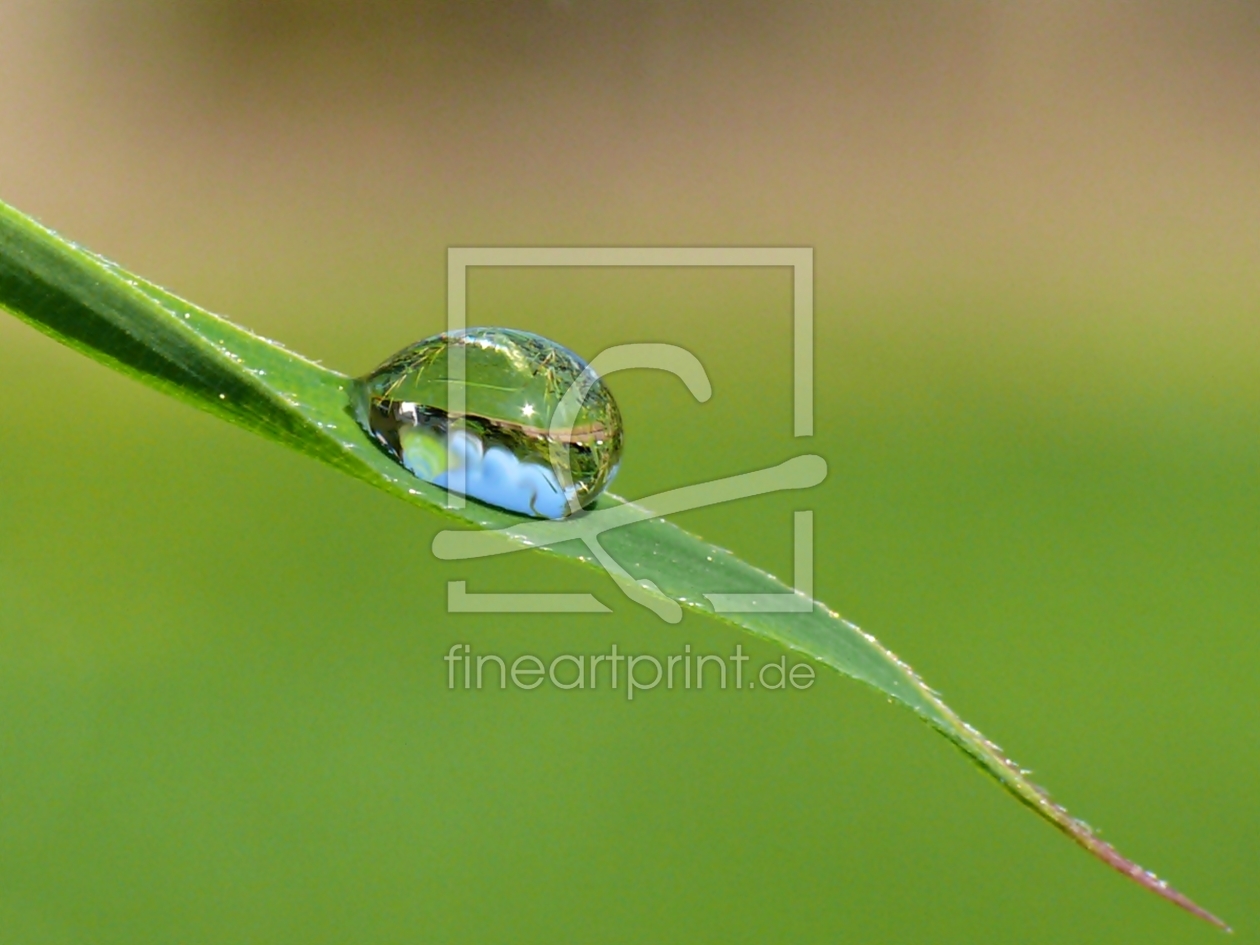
(501, 448)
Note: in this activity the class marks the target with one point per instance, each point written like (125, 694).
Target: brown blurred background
(913, 141)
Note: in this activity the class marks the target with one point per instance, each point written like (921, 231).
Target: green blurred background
(223, 711)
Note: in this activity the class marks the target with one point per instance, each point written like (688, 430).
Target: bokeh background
(223, 712)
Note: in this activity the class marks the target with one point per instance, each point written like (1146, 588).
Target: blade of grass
(96, 307)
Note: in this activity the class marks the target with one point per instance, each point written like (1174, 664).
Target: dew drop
(500, 448)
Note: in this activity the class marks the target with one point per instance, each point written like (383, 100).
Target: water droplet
(502, 447)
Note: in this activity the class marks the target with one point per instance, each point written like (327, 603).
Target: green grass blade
(140, 329)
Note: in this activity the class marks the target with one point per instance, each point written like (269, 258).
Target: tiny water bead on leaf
(519, 442)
